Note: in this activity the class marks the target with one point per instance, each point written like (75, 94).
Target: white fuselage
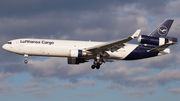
(61, 48)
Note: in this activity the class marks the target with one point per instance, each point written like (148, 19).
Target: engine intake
(71, 60)
(77, 53)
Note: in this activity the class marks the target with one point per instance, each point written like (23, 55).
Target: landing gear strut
(26, 57)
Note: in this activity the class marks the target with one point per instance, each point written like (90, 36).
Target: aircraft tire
(25, 61)
(93, 66)
(98, 66)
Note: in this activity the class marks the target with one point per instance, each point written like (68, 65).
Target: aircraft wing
(113, 46)
(162, 47)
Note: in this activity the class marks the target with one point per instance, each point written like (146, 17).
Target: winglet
(136, 34)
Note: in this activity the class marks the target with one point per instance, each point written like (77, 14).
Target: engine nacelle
(71, 60)
(143, 39)
(77, 53)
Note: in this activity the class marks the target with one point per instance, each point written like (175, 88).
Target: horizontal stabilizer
(162, 47)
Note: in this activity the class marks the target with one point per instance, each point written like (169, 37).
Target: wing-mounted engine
(71, 60)
(144, 39)
(77, 53)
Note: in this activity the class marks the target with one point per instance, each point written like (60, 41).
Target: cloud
(139, 94)
(6, 75)
(173, 7)
(41, 6)
(159, 62)
(40, 92)
(58, 67)
(30, 85)
(167, 98)
(29, 90)
(6, 89)
(114, 86)
(42, 80)
(175, 91)
(75, 85)
(57, 25)
(155, 7)
(161, 78)
(49, 68)
(55, 20)
(121, 73)
(34, 7)
(123, 77)
(44, 70)
(175, 27)
(43, 90)
(93, 93)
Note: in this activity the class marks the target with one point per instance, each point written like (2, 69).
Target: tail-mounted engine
(71, 60)
(77, 53)
(144, 39)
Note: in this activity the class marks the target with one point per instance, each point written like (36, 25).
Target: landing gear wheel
(26, 57)
(97, 62)
(93, 66)
(98, 66)
(25, 61)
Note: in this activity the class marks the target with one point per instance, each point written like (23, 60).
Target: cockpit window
(9, 42)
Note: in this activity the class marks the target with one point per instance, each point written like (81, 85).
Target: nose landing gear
(26, 57)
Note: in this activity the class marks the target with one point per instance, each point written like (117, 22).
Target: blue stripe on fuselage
(79, 53)
(140, 52)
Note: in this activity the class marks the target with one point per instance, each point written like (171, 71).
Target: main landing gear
(97, 62)
(26, 57)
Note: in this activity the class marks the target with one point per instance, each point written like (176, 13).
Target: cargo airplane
(154, 44)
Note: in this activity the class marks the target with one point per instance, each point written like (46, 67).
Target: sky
(52, 79)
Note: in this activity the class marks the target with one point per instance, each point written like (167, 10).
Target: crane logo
(163, 30)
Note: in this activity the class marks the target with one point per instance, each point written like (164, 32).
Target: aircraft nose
(4, 47)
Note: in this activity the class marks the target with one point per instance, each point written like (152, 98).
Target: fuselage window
(9, 42)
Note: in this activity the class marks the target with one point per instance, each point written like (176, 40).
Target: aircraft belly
(140, 52)
(123, 52)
